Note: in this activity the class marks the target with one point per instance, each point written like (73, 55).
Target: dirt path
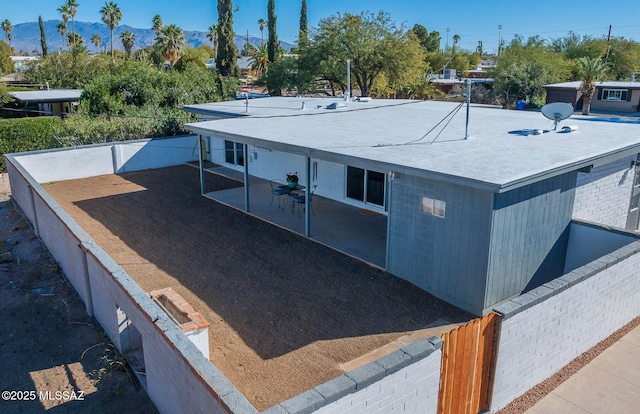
(284, 311)
(48, 343)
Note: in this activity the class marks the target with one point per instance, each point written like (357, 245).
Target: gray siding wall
(444, 256)
(529, 234)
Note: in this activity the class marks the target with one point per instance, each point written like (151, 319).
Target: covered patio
(358, 232)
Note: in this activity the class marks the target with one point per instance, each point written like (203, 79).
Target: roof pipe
(466, 127)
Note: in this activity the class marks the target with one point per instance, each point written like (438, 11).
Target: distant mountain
(26, 37)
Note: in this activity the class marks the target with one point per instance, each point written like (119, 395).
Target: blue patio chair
(300, 200)
(279, 190)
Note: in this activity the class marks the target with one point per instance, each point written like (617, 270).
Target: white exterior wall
(541, 339)
(112, 158)
(413, 389)
(604, 194)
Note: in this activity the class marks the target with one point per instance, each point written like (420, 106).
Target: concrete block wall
(177, 374)
(547, 327)
(604, 194)
(110, 158)
(406, 380)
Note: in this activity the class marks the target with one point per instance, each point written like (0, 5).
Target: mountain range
(26, 37)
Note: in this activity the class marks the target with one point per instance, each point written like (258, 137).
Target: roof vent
(336, 105)
(363, 99)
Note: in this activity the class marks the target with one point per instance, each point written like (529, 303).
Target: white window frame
(617, 94)
(236, 146)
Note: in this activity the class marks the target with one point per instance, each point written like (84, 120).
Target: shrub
(27, 134)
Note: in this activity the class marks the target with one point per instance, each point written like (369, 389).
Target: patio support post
(307, 199)
(201, 164)
(246, 177)
(390, 177)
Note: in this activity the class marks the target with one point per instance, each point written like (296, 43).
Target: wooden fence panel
(468, 358)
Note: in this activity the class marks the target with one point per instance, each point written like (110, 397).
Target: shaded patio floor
(355, 231)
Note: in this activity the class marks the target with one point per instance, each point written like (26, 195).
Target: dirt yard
(284, 311)
(48, 343)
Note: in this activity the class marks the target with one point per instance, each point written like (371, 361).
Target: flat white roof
(389, 135)
(53, 95)
(608, 84)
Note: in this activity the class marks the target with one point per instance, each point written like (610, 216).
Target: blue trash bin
(520, 105)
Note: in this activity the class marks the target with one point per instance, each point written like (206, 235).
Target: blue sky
(471, 20)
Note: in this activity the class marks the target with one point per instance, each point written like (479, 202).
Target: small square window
(433, 206)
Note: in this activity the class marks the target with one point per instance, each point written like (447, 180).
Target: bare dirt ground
(285, 312)
(48, 343)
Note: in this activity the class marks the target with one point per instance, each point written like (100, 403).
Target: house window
(365, 185)
(234, 153)
(433, 206)
(614, 94)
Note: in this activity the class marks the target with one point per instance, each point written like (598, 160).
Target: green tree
(212, 35)
(429, 41)
(456, 39)
(68, 71)
(72, 6)
(128, 39)
(97, 41)
(186, 60)
(260, 59)
(111, 16)
(7, 27)
(261, 23)
(64, 12)
(372, 42)
(157, 25)
(248, 49)
(523, 69)
(590, 70)
(303, 39)
(171, 42)
(272, 44)
(62, 29)
(226, 51)
(43, 38)
(76, 43)
(6, 65)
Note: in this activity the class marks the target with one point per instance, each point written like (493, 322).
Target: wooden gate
(468, 359)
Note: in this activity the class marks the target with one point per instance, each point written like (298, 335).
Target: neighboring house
(49, 102)
(474, 222)
(20, 62)
(609, 96)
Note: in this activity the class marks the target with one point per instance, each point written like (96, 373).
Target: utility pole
(606, 58)
(499, 39)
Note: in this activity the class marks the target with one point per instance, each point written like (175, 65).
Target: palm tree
(157, 25)
(64, 11)
(170, 42)
(128, 39)
(260, 59)
(7, 27)
(589, 71)
(111, 16)
(62, 29)
(456, 38)
(262, 22)
(72, 6)
(212, 35)
(97, 41)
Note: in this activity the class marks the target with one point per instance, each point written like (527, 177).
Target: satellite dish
(557, 111)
